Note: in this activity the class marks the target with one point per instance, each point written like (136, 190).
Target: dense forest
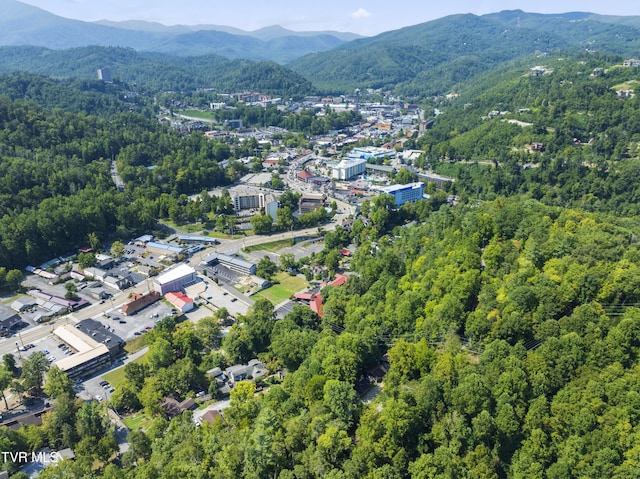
(511, 332)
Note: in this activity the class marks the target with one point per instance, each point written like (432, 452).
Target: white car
(98, 397)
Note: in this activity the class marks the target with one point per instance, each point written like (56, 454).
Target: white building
(347, 169)
(175, 279)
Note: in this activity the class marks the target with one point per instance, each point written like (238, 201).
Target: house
(173, 407)
(537, 146)
(211, 416)
(119, 283)
(339, 280)
(632, 62)
(252, 370)
(180, 301)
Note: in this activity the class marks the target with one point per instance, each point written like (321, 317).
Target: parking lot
(127, 326)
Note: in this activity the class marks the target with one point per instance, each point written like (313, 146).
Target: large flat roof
(77, 359)
(176, 273)
(87, 348)
(75, 338)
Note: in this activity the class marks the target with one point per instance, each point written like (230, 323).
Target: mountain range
(22, 24)
(419, 61)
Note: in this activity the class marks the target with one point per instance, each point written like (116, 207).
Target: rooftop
(175, 273)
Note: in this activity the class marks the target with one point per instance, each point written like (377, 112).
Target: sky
(363, 17)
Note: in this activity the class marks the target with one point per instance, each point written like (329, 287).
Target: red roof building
(339, 280)
(180, 300)
(304, 175)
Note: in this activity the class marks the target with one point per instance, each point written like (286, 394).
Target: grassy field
(136, 344)
(116, 376)
(287, 286)
(137, 421)
(272, 247)
(205, 115)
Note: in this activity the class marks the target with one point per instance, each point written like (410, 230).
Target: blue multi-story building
(402, 194)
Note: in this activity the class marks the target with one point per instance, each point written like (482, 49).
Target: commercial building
(94, 347)
(231, 262)
(197, 239)
(164, 249)
(104, 74)
(311, 202)
(402, 194)
(8, 319)
(140, 301)
(175, 279)
(180, 301)
(253, 199)
(349, 168)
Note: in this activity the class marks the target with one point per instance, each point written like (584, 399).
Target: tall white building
(347, 169)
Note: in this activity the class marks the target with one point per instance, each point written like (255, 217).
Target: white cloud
(360, 13)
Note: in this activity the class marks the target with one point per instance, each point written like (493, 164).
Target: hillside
(432, 58)
(22, 24)
(155, 71)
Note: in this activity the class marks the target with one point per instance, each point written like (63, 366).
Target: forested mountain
(153, 72)
(22, 24)
(433, 57)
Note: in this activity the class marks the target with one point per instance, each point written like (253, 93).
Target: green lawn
(137, 421)
(116, 376)
(205, 115)
(287, 286)
(136, 344)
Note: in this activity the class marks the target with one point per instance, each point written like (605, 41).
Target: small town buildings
(174, 279)
(173, 407)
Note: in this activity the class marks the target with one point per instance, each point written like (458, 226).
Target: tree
(125, 397)
(261, 224)
(5, 380)
(86, 260)
(208, 330)
(287, 262)
(341, 399)
(33, 369)
(117, 249)
(57, 383)
(284, 218)
(71, 290)
(266, 268)
(94, 241)
(160, 354)
(9, 363)
(13, 279)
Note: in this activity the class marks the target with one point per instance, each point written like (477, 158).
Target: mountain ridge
(23, 24)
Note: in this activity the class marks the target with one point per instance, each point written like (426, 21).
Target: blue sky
(363, 17)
